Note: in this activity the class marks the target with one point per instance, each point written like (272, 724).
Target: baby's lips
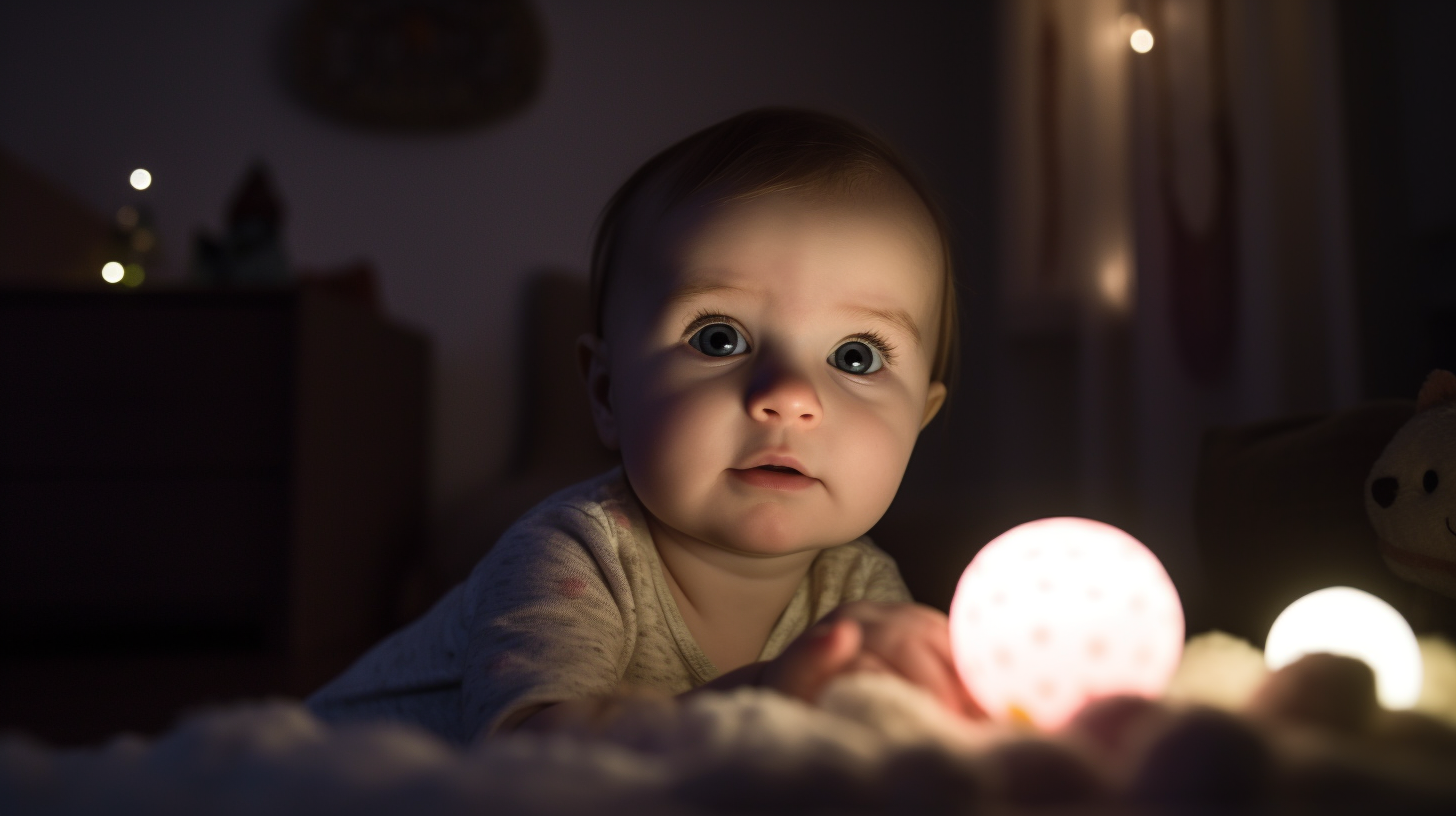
(778, 460)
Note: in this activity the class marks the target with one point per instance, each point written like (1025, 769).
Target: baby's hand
(907, 639)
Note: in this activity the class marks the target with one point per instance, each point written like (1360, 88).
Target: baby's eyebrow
(897, 317)
(692, 290)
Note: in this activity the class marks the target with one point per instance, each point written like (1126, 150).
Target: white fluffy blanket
(874, 744)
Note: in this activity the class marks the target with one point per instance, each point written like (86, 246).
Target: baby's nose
(784, 396)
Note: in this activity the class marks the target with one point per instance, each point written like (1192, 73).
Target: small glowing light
(1141, 40)
(127, 217)
(1349, 622)
(112, 272)
(1057, 612)
(141, 179)
(1114, 281)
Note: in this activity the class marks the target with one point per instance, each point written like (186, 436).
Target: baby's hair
(764, 151)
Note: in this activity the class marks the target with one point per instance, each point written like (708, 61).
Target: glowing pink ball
(1060, 611)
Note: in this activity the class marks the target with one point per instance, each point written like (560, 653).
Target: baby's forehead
(744, 251)
(697, 243)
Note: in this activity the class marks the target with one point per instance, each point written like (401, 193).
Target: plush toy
(1410, 494)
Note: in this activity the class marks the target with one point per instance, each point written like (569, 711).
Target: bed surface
(873, 745)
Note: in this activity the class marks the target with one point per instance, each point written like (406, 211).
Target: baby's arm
(907, 639)
(876, 627)
(543, 621)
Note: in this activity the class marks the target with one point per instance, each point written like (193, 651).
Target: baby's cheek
(677, 445)
(873, 459)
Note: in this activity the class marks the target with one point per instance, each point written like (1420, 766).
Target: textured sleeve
(546, 619)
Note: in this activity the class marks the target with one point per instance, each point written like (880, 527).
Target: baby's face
(768, 369)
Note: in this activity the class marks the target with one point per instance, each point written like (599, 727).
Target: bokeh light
(143, 240)
(1057, 612)
(1352, 623)
(112, 272)
(1114, 281)
(127, 217)
(1141, 40)
(133, 275)
(141, 179)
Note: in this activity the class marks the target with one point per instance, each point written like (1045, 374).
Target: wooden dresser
(204, 496)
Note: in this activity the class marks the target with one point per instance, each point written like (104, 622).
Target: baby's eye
(718, 340)
(856, 357)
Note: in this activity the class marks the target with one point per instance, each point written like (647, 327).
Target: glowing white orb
(112, 272)
(141, 179)
(1353, 623)
(1057, 612)
(1141, 41)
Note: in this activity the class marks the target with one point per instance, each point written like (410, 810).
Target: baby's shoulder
(860, 553)
(578, 528)
(859, 570)
(585, 508)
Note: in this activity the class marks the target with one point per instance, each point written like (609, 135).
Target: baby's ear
(1438, 389)
(594, 361)
(933, 400)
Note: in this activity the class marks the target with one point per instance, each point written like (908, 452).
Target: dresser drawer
(110, 384)
(197, 480)
(88, 563)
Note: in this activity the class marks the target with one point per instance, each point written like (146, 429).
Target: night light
(1349, 622)
(141, 179)
(1060, 611)
(112, 272)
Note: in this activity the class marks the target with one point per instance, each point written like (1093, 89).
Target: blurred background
(265, 402)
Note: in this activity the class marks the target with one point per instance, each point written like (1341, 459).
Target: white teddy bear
(1410, 494)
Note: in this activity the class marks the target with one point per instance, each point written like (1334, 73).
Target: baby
(775, 320)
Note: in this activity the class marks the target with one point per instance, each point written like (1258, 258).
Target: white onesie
(570, 603)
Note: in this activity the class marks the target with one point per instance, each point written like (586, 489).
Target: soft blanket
(1225, 739)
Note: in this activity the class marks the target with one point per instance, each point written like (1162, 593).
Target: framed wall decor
(417, 65)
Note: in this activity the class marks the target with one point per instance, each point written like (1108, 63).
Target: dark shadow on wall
(1400, 111)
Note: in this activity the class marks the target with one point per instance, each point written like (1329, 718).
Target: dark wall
(1401, 113)
(90, 90)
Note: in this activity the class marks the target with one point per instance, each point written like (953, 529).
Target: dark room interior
(288, 339)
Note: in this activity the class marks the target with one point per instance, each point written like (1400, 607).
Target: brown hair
(763, 151)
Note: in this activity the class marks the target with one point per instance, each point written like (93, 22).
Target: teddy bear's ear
(1438, 389)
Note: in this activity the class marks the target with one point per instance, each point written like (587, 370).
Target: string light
(1138, 35)
(112, 272)
(141, 179)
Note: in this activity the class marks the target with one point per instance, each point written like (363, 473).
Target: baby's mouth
(775, 476)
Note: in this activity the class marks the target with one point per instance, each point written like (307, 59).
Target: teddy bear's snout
(1383, 490)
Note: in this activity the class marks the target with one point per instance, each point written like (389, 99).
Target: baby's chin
(771, 530)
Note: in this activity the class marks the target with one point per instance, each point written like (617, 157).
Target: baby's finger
(931, 671)
(868, 662)
(811, 661)
(925, 660)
